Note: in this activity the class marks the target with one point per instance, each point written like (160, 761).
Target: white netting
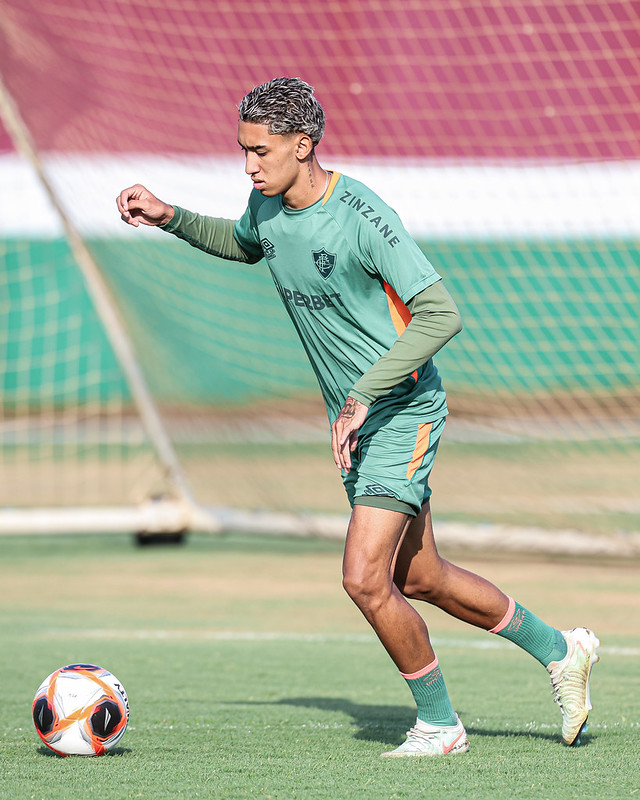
(504, 133)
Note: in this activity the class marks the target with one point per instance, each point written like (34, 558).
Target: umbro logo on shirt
(268, 249)
(325, 262)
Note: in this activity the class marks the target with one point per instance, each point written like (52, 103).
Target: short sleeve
(389, 251)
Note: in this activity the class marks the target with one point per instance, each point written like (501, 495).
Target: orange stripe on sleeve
(422, 445)
(400, 314)
(331, 186)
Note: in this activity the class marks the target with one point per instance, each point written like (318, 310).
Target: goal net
(141, 375)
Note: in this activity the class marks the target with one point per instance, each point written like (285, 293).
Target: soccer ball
(81, 710)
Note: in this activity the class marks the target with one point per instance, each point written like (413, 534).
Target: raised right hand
(137, 205)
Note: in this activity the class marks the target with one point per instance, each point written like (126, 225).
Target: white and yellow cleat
(432, 740)
(570, 682)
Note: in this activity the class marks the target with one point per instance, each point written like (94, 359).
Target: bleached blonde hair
(285, 105)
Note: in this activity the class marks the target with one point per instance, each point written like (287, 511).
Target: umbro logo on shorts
(377, 490)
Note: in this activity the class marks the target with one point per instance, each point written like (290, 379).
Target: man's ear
(304, 147)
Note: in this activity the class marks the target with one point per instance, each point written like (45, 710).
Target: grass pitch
(251, 675)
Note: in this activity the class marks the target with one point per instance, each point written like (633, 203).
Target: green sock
(529, 632)
(431, 696)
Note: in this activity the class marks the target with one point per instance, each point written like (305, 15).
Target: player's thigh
(371, 547)
(418, 562)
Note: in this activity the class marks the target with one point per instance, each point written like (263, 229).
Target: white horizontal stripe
(433, 199)
(490, 643)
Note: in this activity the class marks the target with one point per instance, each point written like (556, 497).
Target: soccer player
(371, 312)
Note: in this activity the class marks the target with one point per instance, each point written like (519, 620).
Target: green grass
(250, 675)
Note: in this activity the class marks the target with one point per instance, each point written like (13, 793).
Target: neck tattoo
(326, 184)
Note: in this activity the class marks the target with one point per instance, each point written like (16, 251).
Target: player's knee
(354, 584)
(365, 587)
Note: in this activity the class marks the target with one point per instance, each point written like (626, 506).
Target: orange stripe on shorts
(422, 445)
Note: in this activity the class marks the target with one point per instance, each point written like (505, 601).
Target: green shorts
(390, 467)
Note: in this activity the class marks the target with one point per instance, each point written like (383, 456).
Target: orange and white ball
(81, 710)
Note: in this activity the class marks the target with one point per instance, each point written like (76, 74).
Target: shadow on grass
(388, 724)
(43, 750)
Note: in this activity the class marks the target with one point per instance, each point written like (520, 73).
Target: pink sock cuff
(422, 672)
(507, 617)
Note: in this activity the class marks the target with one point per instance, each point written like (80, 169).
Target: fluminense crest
(325, 262)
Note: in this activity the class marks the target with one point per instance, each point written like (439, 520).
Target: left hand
(344, 432)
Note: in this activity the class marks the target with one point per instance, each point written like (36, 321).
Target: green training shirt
(345, 269)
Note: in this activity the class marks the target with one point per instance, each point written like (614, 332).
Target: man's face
(271, 160)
